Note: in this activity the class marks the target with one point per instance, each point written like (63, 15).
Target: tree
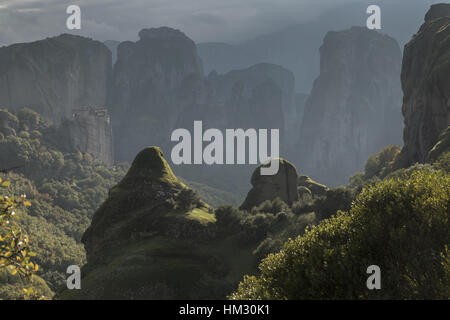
(401, 225)
(187, 199)
(15, 253)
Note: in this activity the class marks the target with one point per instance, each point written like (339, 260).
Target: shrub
(271, 206)
(401, 225)
(187, 199)
(381, 164)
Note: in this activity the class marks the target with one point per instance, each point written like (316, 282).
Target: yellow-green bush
(401, 225)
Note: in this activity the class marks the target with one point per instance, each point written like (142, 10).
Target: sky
(231, 21)
(202, 20)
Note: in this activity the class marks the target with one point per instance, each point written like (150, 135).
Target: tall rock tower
(426, 85)
(354, 107)
(146, 80)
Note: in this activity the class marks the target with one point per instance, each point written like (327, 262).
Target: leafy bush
(400, 225)
(271, 206)
(324, 206)
(380, 164)
(17, 270)
(187, 199)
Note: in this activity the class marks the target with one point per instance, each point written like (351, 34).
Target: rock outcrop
(354, 107)
(153, 234)
(282, 185)
(55, 75)
(426, 85)
(314, 187)
(142, 205)
(89, 131)
(146, 81)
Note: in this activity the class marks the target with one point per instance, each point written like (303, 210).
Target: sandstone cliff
(158, 86)
(426, 85)
(146, 79)
(90, 132)
(354, 107)
(55, 75)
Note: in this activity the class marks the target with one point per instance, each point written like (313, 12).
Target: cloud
(202, 20)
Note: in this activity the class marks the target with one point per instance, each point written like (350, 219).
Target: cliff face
(257, 97)
(90, 132)
(426, 85)
(354, 107)
(146, 80)
(158, 86)
(55, 75)
(269, 90)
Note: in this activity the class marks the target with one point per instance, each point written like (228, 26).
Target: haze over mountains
(163, 81)
(296, 47)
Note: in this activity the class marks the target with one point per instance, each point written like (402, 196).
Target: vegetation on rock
(400, 225)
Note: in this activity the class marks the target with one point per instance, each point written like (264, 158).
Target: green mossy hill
(149, 201)
(150, 164)
(282, 185)
(153, 238)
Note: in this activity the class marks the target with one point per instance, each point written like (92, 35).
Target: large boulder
(314, 187)
(282, 185)
(354, 107)
(426, 85)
